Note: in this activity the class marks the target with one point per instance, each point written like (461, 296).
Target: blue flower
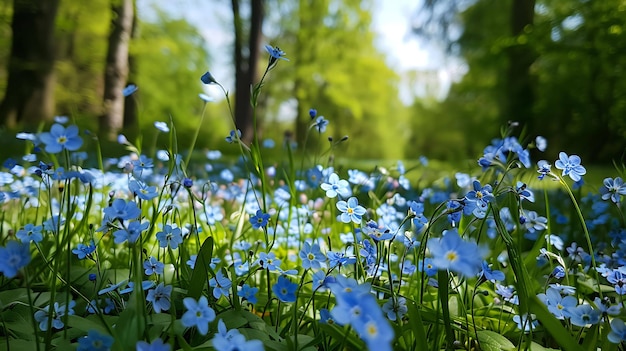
(544, 169)
(395, 308)
(29, 233)
(285, 290)
(583, 315)
(229, 340)
(142, 163)
(162, 126)
(248, 293)
(94, 341)
(120, 209)
(129, 90)
(233, 136)
(427, 266)
(450, 252)
(320, 124)
(491, 274)
(336, 186)
(42, 316)
(613, 189)
(160, 297)
(221, 285)
(83, 250)
(571, 166)
(481, 196)
(142, 190)
(259, 220)
(311, 256)
(60, 138)
(618, 331)
(156, 345)
(351, 211)
(153, 266)
(13, 257)
(131, 233)
(275, 54)
(207, 78)
(556, 303)
(198, 314)
(525, 322)
(171, 237)
(268, 261)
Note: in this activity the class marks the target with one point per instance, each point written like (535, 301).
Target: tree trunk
(246, 65)
(116, 68)
(29, 97)
(519, 85)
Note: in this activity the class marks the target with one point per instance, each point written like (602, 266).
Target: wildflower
(481, 195)
(427, 266)
(351, 211)
(129, 90)
(583, 315)
(613, 189)
(618, 331)
(450, 252)
(259, 220)
(544, 169)
(207, 78)
(358, 308)
(285, 290)
(161, 126)
(557, 304)
(29, 233)
(571, 166)
(42, 316)
(153, 266)
(320, 124)
(227, 340)
(13, 257)
(533, 222)
(491, 274)
(156, 345)
(60, 138)
(311, 256)
(221, 285)
(312, 113)
(131, 233)
(558, 272)
(275, 54)
(454, 210)
(160, 297)
(526, 322)
(268, 261)
(83, 250)
(142, 163)
(248, 293)
(198, 314)
(395, 308)
(336, 186)
(339, 259)
(171, 237)
(94, 341)
(233, 136)
(122, 210)
(142, 190)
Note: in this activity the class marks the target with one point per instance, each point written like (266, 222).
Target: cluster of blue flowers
(364, 250)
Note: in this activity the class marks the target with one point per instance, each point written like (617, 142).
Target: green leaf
(492, 341)
(200, 271)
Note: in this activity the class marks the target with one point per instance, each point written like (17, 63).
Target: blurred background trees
(557, 67)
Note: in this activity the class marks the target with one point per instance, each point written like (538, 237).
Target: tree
(29, 95)
(246, 60)
(116, 68)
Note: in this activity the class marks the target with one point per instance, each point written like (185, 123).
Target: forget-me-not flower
(198, 314)
(60, 138)
(351, 211)
(571, 166)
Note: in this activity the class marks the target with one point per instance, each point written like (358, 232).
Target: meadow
(169, 252)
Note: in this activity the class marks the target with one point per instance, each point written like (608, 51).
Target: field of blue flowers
(141, 253)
